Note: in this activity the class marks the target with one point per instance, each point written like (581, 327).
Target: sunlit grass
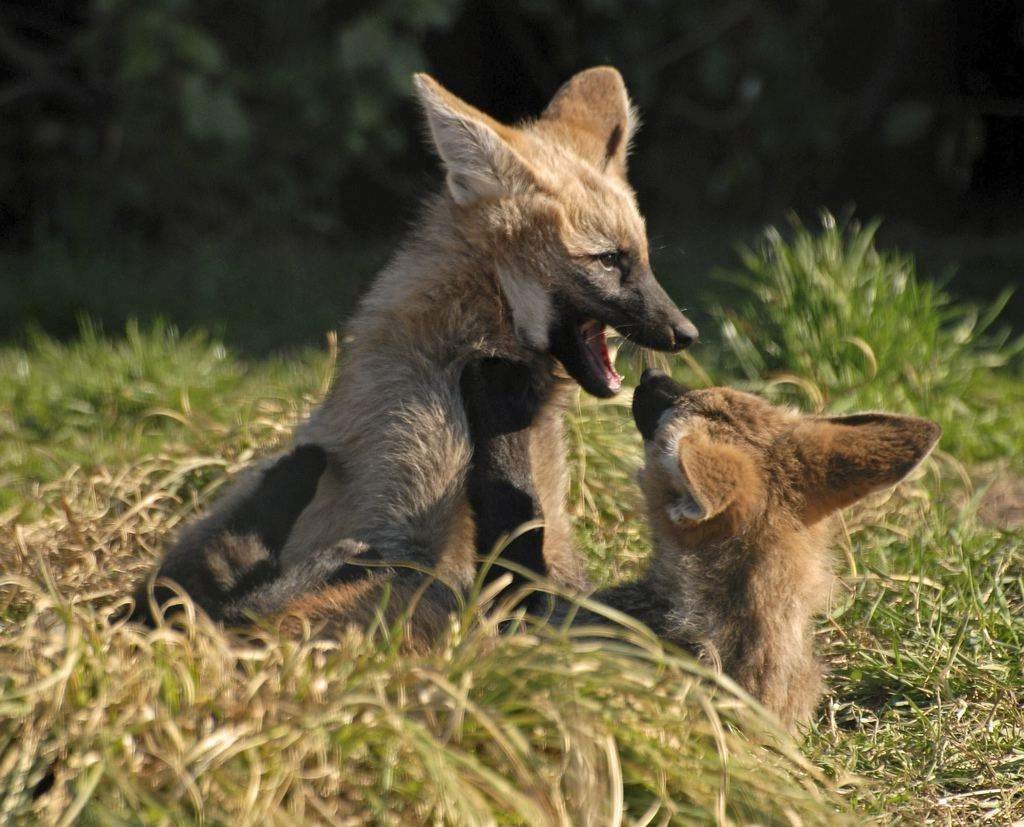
(106, 446)
(190, 724)
(99, 401)
(829, 320)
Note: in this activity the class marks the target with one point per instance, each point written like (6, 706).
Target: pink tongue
(598, 347)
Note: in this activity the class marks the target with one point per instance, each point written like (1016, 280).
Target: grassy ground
(106, 446)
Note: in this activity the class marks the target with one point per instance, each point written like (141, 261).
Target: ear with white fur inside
(479, 161)
(686, 508)
(709, 475)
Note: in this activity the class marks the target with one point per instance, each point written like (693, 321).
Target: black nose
(655, 394)
(684, 334)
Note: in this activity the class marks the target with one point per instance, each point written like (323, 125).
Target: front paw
(500, 396)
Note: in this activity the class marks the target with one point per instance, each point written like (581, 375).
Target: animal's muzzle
(656, 393)
(653, 320)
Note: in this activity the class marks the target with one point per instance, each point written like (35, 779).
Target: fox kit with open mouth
(532, 249)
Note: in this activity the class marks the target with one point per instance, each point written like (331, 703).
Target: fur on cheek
(532, 309)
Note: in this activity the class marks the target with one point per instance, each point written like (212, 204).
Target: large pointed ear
(592, 113)
(712, 475)
(848, 457)
(473, 146)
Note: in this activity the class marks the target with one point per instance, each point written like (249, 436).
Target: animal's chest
(397, 478)
(548, 460)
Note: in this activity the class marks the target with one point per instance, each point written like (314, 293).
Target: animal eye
(613, 260)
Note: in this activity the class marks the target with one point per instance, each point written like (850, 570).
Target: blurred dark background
(247, 166)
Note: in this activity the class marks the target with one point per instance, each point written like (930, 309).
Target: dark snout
(684, 333)
(656, 393)
(656, 321)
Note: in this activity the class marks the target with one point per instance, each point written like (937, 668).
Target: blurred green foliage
(202, 160)
(216, 117)
(178, 118)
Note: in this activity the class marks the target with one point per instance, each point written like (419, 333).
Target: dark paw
(223, 573)
(500, 396)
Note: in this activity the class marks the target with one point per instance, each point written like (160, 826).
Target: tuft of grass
(927, 647)
(604, 454)
(827, 319)
(101, 401)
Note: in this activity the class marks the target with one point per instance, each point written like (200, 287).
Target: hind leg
(500, 399)
(235, 549)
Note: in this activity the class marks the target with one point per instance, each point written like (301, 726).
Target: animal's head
(549, 200)
(717, 459)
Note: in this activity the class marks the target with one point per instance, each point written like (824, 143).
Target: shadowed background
(247, 167)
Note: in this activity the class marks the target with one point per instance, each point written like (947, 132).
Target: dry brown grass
(105, 446)
(106, 723)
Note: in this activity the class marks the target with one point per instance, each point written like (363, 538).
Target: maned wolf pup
(738, 493)
(534, 245)
(738, 496)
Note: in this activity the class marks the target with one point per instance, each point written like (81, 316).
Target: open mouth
(594, 349)
(580, 345)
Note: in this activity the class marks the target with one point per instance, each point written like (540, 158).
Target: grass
(830, 321)
(107, 445)
(97, 402)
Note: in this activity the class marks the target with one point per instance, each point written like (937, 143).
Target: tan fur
(741, 578)
(571, 118)
(230, 556)
(422, 605)
(519, 201)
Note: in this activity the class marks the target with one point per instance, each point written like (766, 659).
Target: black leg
(286, 488)
(500, 400)
(235, 551)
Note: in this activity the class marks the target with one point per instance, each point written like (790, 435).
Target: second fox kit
(535, 244)
(739, 493)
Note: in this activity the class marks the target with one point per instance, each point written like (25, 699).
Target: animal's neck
(742, 593)
(438, 298)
